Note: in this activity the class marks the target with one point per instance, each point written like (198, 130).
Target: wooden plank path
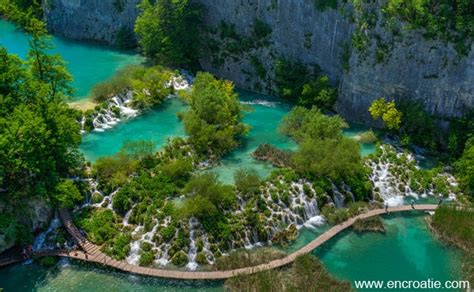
(93, 254)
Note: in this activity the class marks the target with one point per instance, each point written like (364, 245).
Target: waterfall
(39, 242)
(337, 197)
(192, 265)
(261, 102)
(108, 116)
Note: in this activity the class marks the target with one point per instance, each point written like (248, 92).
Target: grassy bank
(306, 274)
(455, 226)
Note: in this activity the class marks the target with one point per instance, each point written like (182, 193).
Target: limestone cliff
(35, 214)
(95, 20)
(429, 71)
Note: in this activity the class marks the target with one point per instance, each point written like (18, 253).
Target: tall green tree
(39, 134)
(170, 31)
(214, 120)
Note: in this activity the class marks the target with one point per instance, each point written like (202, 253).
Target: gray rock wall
(95, 20)
(429, 71)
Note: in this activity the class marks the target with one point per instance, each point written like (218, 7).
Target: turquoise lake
(89, 64)
(407, 251)
(264, 117)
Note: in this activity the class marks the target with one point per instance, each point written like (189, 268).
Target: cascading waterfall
(192, 253)
(391, 187)
(261, 102)
(338, 198)
(119, 107)
(109, 116)
(39, 242)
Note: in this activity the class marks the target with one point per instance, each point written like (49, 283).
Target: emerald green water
(74, 276)
(156, 125)
(89, 64)
(265, 115)
(408, 251)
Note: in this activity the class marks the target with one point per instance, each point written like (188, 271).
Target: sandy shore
(83, 105)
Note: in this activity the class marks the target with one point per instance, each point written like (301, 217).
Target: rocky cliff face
(96, 20)
(431, 72)
(36, 216)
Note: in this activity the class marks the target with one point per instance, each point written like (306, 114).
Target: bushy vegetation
(207, 199)
(67, 194)
(338, 215)
(295, 82)
(214, 120)
(247, 258)
(98, 224)
(303, 124)
(323, 151)
(247, 181)
(454, 225)
(334, 159)
(150, 85)
(387, 111)
(444, 19)
(39, 133)
(306, 274)
(465, 170)
(25, 13)
(170, 31)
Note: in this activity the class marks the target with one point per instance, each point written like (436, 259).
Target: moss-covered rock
(179, 259)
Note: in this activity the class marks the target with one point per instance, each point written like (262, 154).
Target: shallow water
(265, 115)
(408, 251)
(88, 63)
(75, 276)
(156, 125)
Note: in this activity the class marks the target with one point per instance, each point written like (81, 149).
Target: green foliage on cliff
(295, 82)
(450, 20)
(325, 4)
(214, 120)
(170, 31)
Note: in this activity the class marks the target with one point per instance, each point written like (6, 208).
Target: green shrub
(146, 259)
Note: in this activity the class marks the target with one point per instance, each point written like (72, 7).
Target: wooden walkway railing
(92, 252)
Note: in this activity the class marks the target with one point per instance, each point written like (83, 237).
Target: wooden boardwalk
(92, 253)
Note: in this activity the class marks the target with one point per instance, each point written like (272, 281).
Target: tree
(465, 170)
(67, 195)
(170, 31)
(290, 77)
(207, 200)
(47, 69)
(302, 124)
(334, 159)
(39, 134)
(319, 93)
(388, 111)
(247, 181)
(152, 87)
(214, 120)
